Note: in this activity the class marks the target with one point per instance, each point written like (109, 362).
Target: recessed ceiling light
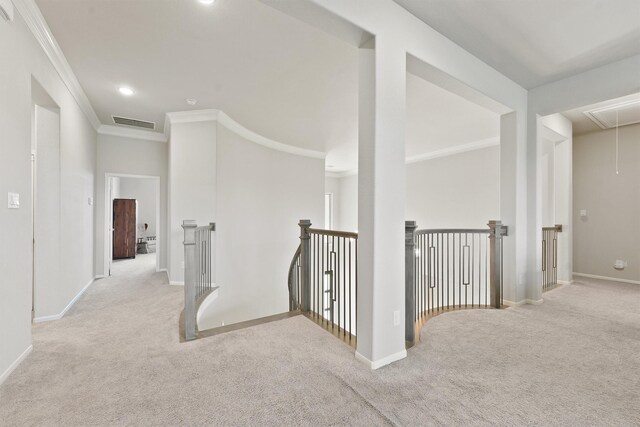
(206, 1)
(192, 101)
(126, 91)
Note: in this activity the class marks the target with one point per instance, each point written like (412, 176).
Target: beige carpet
(115, 359)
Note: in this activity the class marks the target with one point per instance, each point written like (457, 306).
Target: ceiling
(534, 42)
(274, 74)
(596, 117)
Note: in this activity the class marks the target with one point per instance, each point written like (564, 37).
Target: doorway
(132, 223)
(45, 203)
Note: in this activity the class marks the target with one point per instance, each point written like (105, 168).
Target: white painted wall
(611, 229)
(47, 213)
(599, 84)
(555, 164)
(261, 196)
(144, 191)
(457, 191)
(192, 184)
(24, 58)
(129, 156)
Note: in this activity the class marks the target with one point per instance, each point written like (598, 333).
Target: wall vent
(133, 123)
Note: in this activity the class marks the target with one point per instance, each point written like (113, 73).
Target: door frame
(108, 218)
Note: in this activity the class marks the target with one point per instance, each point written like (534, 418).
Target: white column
(381, 202)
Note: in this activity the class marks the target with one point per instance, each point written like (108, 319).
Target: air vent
(133, 123)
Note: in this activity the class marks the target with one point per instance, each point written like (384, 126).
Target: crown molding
(236, 127)
(131, 133)
(223, 119)
(472, 146)
(41, 31)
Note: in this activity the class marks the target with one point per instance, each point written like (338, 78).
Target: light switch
(13, 201)
(90, 201)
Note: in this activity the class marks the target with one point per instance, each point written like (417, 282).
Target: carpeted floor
(115, 359)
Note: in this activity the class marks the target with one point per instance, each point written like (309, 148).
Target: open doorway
(132, 223)
(45, 203)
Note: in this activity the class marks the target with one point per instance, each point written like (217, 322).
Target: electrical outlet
(620, 264)
(396, 318)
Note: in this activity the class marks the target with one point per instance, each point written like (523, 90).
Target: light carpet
(115, 359)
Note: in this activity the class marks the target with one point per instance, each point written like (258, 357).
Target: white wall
(47, 213)
(144, 191)
(129, 156)
(192, 184)
(599, 84)
(261, 196)
(611, 229)
(458, 191)
(24, 58)
(555, 164)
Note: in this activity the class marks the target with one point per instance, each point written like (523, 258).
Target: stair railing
(550, 256)
(198, 277)
(323, 279)
(450, 269)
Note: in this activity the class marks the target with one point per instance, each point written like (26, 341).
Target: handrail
(454, 230)
(336, 233)
(198, 275)
(323, 279)
(293, 269)
(450, 269)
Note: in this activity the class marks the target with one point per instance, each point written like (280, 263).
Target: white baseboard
(176, 283)
(522, 302)
(162, 269)
(565, 282)
(67, 308)
(99, 276)
(381, 362)
(15, 364)
(613, 279)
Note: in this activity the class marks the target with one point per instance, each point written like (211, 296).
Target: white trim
(172, 283)
(458, 149)
(236, 127)
(132, 133)
(445, 152)
(15, 364)
(565, 282)
(222, 118)
(381, 362)
(38, 26)
(99, 276)
(613, 279)
(522, 302)
(67, 308)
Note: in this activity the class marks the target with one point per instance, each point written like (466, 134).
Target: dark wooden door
(124, 228)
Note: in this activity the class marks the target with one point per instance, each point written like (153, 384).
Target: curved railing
(451, 269)
(198, 274)
(294, 281)
(323, 279)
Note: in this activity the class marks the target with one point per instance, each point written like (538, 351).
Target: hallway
(115, 359)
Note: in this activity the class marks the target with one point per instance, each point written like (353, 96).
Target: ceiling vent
(628, 113)
(133, 123)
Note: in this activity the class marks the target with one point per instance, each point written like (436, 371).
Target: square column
(381, 203)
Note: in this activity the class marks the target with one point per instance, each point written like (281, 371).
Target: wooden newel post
(190, 327)
(305, 264)
(495, 239)
(410, 282)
